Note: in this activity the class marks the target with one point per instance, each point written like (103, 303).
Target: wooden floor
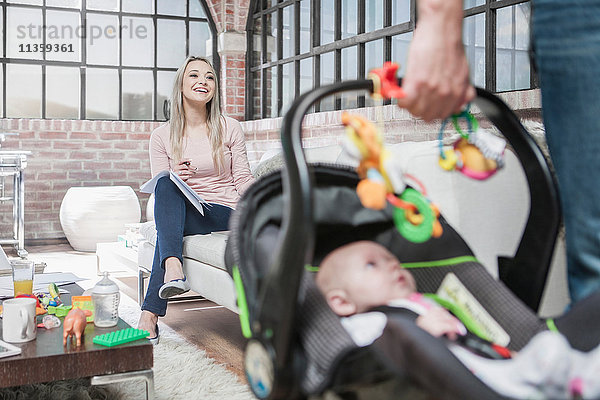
(215, 330)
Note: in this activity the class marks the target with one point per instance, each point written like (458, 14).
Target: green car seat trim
(242, 303)
(440, 263)
(311, 268)
(425, 264)
(551, 325)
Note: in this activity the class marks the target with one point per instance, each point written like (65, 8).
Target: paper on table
(187, 191)
(60, 278)
(7, 349)
(40, 282)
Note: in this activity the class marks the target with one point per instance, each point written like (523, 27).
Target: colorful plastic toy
(420, 223)
(39, 309)
(74, 325)
(50, 299)
(477, 154)
(49, 322)
(415, 216)
(364, 143)
(85, 303)
(119, 337)
(29, 296)
(54, 293)
(46, 300)
(385, 82)
(59, 311)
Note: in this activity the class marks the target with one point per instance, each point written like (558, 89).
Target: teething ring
(421, 232)
(398, 203)
(413, 217)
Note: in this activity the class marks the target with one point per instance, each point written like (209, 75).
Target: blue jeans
(175, 218)
(566, 40)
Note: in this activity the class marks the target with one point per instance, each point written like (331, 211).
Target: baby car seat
(290, 219)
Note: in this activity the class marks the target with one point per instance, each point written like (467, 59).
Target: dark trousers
(175, 218)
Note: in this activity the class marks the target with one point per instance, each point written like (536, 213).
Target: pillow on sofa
(324, 154)
(269, 165)
(148, 231)
(208, 249)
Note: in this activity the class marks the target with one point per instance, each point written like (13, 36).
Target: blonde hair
(213, 118)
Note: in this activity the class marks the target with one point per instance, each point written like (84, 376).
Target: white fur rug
(181, 370)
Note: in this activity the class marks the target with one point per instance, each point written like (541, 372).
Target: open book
(188, 192)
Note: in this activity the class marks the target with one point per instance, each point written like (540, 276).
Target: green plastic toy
(119, 337)
(59, 311)
(415, 233)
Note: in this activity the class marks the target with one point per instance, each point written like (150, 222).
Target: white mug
(18, 320)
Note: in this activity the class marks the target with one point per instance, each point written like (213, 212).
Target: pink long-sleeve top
(225, 187)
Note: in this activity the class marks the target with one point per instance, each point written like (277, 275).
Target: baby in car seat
(362, 275)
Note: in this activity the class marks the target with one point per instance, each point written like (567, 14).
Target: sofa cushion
(148, 231)
(273, 160)
(208, 249)
(324, 154)
(269, 165)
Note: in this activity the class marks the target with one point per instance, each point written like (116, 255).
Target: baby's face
(372, 276)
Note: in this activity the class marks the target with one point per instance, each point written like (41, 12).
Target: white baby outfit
(546, 368)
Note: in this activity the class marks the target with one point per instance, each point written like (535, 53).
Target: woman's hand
(437, 321)
(436, 83)
(184, 169)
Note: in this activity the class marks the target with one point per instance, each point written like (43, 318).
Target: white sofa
(490, 215)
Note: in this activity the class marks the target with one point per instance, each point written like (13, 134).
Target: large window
(96, 59)
(296, 45)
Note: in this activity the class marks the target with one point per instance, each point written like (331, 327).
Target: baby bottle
(105, 296)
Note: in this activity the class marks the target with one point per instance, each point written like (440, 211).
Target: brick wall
(229, 15)
(70, 153)
(233, 83)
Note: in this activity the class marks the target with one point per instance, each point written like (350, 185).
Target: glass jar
(105, 296)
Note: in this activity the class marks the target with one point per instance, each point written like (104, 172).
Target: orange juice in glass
(22, 272)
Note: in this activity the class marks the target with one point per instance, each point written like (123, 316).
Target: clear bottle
(105, 296)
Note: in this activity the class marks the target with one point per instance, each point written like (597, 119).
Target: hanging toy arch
(415, 216)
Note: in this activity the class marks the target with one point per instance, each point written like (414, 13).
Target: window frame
(157, 109)
(259, 9)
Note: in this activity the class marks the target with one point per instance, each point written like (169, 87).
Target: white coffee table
(114, 256)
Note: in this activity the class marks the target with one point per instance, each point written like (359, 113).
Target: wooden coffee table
(45, 359)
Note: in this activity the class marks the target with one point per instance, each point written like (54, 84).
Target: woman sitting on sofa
(208, 152)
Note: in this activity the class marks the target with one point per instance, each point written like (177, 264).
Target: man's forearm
(436, 82)
(443, 15)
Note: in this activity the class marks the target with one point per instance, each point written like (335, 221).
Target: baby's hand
(438, 321)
